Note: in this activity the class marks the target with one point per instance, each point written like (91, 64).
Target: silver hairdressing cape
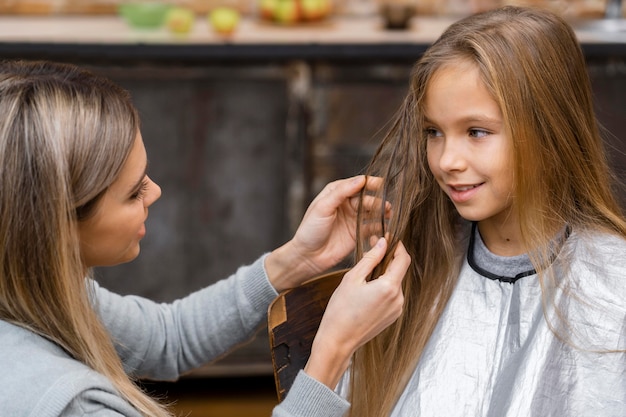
(493, 353)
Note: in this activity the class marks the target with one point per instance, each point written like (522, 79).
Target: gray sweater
(155, 341)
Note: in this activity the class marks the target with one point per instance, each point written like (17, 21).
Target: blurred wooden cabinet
(239, 151)
(608, 79)
(215, 139)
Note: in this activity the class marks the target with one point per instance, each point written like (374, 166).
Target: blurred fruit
(144, 15)
(180, 20)
(327, 6)
(267, 8)
(289, 12)
(314, 9)
(224, 20)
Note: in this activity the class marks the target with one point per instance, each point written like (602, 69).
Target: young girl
(74, 194)
(516, 296)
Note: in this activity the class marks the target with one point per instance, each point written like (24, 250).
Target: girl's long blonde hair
(65, 134)
(533, 66)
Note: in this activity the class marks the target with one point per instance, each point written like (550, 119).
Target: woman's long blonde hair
(533, 66)
(64, 135)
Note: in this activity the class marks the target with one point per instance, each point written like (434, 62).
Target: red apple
(267, 8)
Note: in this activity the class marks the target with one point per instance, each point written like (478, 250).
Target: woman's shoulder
(17, 341)
(38, 375)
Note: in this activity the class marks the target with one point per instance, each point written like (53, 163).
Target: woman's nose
(154, 193)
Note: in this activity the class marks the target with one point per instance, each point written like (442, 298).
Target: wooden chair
(293, 319)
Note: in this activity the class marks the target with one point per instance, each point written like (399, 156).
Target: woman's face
(111, 235)
(468, 151)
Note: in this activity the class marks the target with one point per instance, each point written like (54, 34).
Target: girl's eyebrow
(469, 119)
(480, 119)
(426, 119)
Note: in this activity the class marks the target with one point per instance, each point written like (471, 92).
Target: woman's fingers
(400, 263)
(337, 192)
(326, 234)
(370, 259)
(358, 311)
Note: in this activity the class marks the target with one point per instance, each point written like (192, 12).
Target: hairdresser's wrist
(286, 268)
(328, 362)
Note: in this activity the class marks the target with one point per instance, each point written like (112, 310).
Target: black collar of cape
(495, 277)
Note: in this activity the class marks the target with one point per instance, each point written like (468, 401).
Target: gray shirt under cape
(493, 353)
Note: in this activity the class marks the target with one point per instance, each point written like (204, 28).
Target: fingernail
(380, 243)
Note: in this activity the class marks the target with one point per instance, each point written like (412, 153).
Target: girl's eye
(431, 132)
(478, 133)
(141, 191)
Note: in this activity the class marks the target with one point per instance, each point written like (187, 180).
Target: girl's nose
(453, 156)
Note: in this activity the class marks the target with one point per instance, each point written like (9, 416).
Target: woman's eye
(478, 133)
(141, 191)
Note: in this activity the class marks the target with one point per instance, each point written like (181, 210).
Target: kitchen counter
(339, 39)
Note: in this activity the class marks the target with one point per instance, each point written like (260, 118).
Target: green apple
(267, 8)
(224, 20)
(287, 12)
(180, 20)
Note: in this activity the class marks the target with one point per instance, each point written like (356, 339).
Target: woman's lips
(142, 231)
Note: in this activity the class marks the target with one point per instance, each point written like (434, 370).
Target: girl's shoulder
(598, 248)
(592, 279)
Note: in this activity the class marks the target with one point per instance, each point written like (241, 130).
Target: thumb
(370, 260)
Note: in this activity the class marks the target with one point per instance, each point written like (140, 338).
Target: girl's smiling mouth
(460, 193)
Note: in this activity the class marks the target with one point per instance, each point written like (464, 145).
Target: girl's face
(468, 152)
(111, 235)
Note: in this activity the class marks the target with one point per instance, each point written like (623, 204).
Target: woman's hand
(357, 311)
(325, 236)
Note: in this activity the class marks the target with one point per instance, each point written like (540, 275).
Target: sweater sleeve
(96, 402)
(162, 341)
(309, 398)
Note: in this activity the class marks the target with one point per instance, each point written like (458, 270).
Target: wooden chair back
(293, 319)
